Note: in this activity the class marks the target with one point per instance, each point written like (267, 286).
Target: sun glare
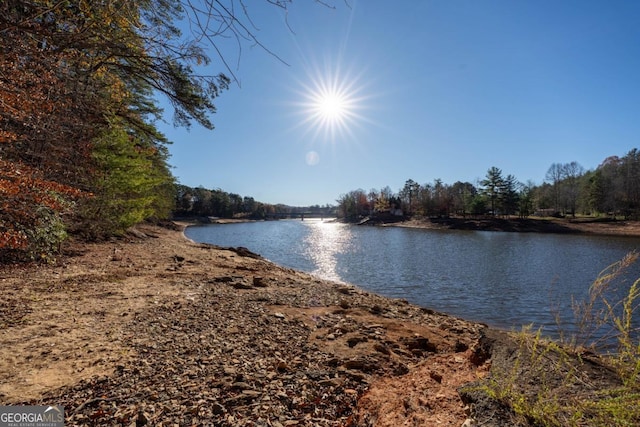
(332, 104)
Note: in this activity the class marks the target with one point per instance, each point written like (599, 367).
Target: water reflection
(323, 244)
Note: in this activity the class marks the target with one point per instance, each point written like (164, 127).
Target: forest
(200, 202)
(79, 83)
(612, 189)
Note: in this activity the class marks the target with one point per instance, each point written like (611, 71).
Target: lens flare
(312, 158)
(332, 104)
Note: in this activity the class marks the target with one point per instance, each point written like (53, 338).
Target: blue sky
(427, 89)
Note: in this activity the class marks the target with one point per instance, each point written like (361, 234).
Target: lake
(503, 279)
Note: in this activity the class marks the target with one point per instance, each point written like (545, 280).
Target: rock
(376, 309)
(436, 377)
(361, 365)
(259, 282)
(353, 341)
(251, 393)
(381, 348)
(217, 409)
(244, 252)
(282, 367)
(142, 419)
(420, 343)
(461, 347)
(241, 385)
(345, 290)
(331, 382)
(400, 369)
(482, 352)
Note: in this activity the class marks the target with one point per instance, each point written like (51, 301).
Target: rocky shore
(154, 329)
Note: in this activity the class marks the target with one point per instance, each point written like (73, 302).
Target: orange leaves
(6, 137)
(12, 239)
(68, 70)
(23, 195)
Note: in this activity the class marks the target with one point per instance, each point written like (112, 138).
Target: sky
(372, 93)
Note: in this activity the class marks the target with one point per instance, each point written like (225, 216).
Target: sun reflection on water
(324, 244)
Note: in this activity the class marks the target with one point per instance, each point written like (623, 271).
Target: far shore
(581, 225)
(530, 225)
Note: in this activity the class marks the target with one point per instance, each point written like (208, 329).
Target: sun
(332, 104)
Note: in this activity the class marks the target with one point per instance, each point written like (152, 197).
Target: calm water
(503, 279)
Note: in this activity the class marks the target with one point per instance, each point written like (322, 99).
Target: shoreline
(587, 226)
(155, 328)
(530, 225)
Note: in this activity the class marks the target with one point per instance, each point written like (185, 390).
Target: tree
(70, 70)
(492, 185)
(347, 207)
(478, 205)
(525, 199)
(554, 176)
(462, 195)
(353, 205)
(31, 210)
(442, 198)
(130, 184)
(424, 199)
(630, 175)
(604, 187)
(374, 200)
(408, 193)
(509, 195)
(184, 200)
(248, 204)
(572, 174)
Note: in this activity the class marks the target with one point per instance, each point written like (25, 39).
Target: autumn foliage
(78, 148)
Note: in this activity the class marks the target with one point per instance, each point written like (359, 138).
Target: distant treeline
(612, 189)
(201, 202)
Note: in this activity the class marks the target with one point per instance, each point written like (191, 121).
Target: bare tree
(571, 173)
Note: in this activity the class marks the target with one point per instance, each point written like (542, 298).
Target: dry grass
(607, 326)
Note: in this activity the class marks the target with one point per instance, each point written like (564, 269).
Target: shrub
(549, 383)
